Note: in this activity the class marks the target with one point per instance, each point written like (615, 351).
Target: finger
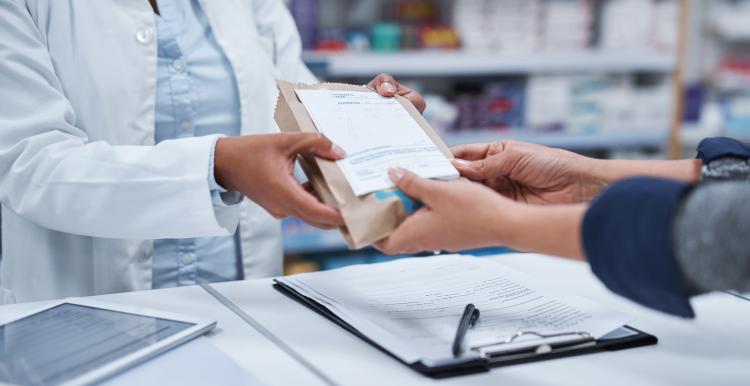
(388, 247)
(385, 85)
(314, 221)
(309, 209)
(473, 170)
(471, 152)
(317, 144)
(322, 226)
(403, 238)
(421, 189)
(414, 97)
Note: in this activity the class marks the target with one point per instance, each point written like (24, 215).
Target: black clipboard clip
(494, 352)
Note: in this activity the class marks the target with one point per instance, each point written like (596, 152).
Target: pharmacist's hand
(530, 173)
(261, 167)
(386, 86)
(457, 215)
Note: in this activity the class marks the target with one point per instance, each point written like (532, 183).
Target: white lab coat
(83, 188)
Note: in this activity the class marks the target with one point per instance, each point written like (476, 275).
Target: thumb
(473, 170)
(418, 188)
(317, 144)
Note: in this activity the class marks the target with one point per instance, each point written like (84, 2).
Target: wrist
(552, 230)
(611, 171)
(221, 162)
(593, 178)
(508, 221)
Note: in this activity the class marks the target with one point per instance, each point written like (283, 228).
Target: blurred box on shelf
(639, 25)
(736, 114)
(505, 26)
(730, 20)
(306, 14)
(566, 25)
(500, 107)
(548, 105)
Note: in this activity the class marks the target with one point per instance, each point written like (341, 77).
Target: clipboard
(580, 343)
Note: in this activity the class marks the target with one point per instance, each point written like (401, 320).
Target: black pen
(468, 320)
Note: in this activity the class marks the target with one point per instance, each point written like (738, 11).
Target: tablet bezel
(200, 327)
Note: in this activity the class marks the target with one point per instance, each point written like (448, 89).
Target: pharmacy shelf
(461, 63)
(576, 142)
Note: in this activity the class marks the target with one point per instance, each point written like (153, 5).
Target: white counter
(712, 349)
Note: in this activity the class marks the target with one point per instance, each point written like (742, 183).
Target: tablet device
(81, 341)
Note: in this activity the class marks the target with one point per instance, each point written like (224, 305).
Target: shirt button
(145, 35)
(184, 124)
(186, 258)
(178, 64)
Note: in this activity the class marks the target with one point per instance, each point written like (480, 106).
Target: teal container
(386, 37)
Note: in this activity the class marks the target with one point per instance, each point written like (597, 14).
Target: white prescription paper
(377, 133)
(411, 307)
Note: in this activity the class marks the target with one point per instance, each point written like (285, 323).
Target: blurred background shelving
(718, 71)
(458, 63)
(608, 78)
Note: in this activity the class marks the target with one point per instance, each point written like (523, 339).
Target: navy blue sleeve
(627, 237)
(712, 148)
(627, 234)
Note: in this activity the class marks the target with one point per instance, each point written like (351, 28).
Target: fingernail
(336, 149)
(461, 162)
(387, 87)
(396, 174)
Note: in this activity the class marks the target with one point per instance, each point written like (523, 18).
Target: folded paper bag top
(370, 217)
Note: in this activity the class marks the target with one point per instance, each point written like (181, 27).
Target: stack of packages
(502, 106)
(596, 104)
(600, 104)
(654, 105)
(499, 107)
(468, 112)
(639, 25)
(508, 26)
(548, 102)
(665, 26)
(566, 25)
(730, 18)
(626, 25)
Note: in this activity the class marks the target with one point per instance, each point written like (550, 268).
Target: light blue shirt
(196, 95)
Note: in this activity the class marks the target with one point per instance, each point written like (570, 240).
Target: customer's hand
(457, 215)
(386, 86)
(530, 173)
(261, 167)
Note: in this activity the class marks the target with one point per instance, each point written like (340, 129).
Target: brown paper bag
(368, 218)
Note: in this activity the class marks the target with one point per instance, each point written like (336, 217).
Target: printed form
(411, 307)
(377, 133)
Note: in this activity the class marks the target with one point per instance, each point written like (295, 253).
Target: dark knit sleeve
(629, 231)
(627, 238)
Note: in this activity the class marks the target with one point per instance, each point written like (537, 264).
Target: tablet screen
(69, 340)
